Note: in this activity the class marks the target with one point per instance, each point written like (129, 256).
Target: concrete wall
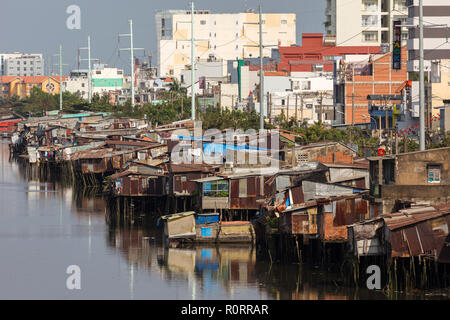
(412, 167)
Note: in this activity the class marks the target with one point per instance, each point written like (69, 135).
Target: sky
(39, 26)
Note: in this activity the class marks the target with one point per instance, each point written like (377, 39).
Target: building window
(369, 21)
(215, 188)
(434, 173)
(202, 22)
(309, 106)
(370, 36)
(370, 6)
(283, 21)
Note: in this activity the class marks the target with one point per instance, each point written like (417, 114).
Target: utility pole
(386, 122)
(321, 108)
(270, 105)
(353, 103)
(421, 81)
(131, 49)
(192, 64)
(261, 74)
(296, 107)
(192, 41)
(60, 78)
(261, 69)
(287, 109)
(89, 60)
(301, 109)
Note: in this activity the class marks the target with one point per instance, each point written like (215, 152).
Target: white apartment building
(227, 36)
(104, 80)
(21, 64)
(364, 22)
(309, 97)
(436, 17)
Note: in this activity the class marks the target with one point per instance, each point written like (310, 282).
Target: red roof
(30, 79)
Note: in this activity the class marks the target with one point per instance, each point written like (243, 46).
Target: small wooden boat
(188, 227)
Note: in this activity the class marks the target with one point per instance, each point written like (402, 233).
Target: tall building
(3, 58)
(436, 21)
(226, 36)
(22, 64)
(364, 22)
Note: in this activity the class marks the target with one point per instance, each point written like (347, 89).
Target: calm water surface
(44, 228)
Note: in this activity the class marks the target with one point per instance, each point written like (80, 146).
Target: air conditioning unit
(228, 165)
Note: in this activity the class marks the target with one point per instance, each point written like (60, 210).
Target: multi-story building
(436, 20)
(104, 80)
(23, 65)
(77, 83)
(364, 22)
(357, 77)
(307, 96)
(315, 54)
(441, 91)
(3, 58)
(227, 36)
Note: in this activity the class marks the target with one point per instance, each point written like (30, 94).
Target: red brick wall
(383, 81)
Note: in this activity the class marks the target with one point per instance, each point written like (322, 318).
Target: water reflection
(230, 266)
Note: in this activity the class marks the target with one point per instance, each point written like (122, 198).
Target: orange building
(357, 77)
(21, 86)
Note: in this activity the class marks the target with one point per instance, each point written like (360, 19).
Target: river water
(45, 228)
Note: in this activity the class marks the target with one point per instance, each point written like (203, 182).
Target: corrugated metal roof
(208, 179)
(410, 217)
